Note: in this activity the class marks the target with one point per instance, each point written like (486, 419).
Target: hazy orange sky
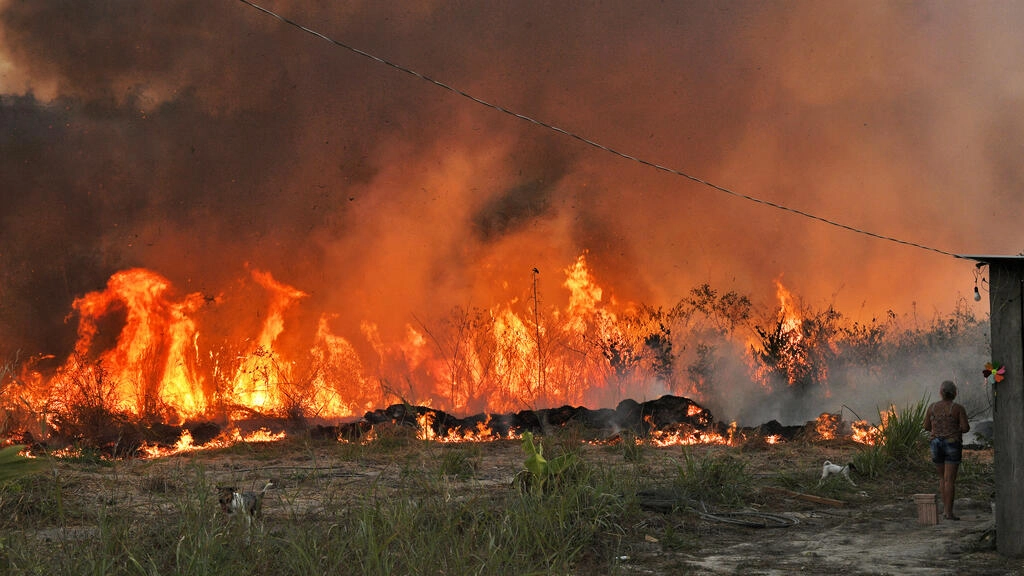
(199, 138)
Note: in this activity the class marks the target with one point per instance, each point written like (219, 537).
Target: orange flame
(827, 426)
(482, 432)
(784, 348)
(146, 351)
(257, 381)
(151, 364)
(866, 433)
(425, 423)
(684, 435)
(788, 312)
(227, 438)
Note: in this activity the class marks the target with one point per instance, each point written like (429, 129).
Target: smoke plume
(206, 140)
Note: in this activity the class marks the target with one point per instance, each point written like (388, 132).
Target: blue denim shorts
(945, 451)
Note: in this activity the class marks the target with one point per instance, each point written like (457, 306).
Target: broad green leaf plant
(14, 465)
(541, 470)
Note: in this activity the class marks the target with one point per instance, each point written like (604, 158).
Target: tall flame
(788, 313)
(784, 349)
(152, 363)
(258, 379)
(145, 351)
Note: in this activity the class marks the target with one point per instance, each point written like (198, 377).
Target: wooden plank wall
(1006, 285)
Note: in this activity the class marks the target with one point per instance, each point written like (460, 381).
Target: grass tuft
(902, 442)
(720, 479)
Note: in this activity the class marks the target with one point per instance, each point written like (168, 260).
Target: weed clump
(901, 441)
(714, 479)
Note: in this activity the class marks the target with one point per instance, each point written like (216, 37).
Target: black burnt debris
(638, 417)
(668, 414)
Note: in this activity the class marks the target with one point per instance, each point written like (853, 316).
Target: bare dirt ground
(875, 529)
(870, 529)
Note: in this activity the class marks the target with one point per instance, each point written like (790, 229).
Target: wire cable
(593, 143)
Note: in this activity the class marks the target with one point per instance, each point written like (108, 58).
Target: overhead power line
(590, 142)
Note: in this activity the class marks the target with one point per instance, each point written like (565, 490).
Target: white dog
(828, 469)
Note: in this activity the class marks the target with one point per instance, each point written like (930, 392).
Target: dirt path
(876, 539)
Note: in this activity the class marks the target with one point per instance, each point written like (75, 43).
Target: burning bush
(88, 410)
(147, 354)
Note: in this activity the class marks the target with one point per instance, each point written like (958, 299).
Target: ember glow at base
(206, 212)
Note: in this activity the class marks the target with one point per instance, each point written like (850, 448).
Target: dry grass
(404, 506)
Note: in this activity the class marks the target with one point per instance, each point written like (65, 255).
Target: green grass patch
(901, 443)
(720, 479)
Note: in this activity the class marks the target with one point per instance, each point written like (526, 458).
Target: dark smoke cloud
(513, 209)
(198, 139)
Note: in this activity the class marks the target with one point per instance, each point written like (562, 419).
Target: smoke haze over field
(205, 139)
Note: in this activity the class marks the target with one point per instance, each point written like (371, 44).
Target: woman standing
(946, 421)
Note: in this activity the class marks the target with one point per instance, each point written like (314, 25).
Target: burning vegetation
(152, 369)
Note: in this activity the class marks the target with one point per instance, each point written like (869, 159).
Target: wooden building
(1006, 304)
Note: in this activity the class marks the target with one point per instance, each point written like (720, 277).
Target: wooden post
(1006, 304)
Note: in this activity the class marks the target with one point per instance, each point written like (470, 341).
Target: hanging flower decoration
(994, 372)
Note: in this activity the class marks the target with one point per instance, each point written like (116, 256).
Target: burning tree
(799, 354)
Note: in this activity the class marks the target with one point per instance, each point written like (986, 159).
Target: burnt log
(559, 417)
(321, 433)
(667, 412)
(203, 432)
(162, 434)
(775, 428)
(354, 431)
